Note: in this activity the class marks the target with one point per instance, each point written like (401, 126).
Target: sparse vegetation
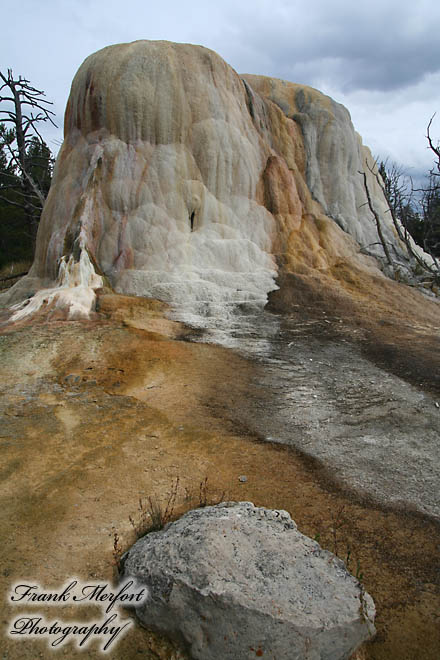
(152, 516)
(117, 550)
(205, 498)
(333, 538)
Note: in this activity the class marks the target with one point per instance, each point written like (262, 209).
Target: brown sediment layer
(99, 414)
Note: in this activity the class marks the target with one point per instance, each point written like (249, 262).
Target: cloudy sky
(380, 58)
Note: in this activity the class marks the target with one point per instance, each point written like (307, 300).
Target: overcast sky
(380, 58)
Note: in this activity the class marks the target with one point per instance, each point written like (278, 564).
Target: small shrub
(333, 538)
(151, 516)
(117, 550)
(209, 499)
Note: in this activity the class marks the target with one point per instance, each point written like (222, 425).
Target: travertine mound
(187, 183)
(334, 158)
(237, 581)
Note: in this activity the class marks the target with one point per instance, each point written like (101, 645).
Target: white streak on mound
(74, 293)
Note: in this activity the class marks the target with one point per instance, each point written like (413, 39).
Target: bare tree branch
(436, 149)
(27, 176)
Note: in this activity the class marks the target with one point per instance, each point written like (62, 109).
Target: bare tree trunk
(21, 145)
(377, 219)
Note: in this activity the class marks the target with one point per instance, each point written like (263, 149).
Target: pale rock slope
(184, 182)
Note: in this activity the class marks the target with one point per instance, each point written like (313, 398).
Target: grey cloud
(375, 57)
(372, 46)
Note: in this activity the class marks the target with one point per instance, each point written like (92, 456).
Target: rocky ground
(132, 405)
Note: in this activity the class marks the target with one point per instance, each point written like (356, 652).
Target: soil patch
(99, 414)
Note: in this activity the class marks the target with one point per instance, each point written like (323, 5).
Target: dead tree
(402, 231)
(435, 149)
(377, 220)
(23, 108)
(431, 200)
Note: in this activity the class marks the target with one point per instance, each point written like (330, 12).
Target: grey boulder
(236, 581)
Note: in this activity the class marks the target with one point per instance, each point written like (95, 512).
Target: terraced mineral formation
(184, 182)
